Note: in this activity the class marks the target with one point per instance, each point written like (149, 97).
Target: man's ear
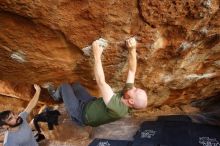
(131, 101)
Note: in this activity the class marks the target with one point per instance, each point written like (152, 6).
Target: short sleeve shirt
(97, 112)
(23, 136)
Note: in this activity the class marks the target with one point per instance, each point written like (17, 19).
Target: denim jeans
(75, 97)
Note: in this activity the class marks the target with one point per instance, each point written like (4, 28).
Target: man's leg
(81, 93)
(71, 102)
(54, 93)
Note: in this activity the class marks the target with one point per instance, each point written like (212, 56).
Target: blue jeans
(75, 97)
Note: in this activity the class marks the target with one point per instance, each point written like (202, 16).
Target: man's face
(129, 96)
(13, 120)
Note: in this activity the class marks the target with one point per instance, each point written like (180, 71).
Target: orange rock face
(178, 45)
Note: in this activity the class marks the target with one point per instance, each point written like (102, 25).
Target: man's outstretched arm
(34, 100)
(105, 89)
(132, 59)
(1, 139)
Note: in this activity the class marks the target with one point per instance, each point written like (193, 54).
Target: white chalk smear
(102, 43)
(198, 77)
(18, 56)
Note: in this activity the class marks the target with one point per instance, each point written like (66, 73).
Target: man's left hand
(131, 43)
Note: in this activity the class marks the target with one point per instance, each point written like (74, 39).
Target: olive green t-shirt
(96, 112)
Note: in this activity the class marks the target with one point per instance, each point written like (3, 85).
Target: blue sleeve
(8, 144)
(6, 140)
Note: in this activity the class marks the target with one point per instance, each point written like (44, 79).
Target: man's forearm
(132, 60)
(33, 102)
(1, 139)
(98, 71)
(35, 98)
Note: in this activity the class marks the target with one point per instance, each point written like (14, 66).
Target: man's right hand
(97, 50)
(37, 88)
(131, 43)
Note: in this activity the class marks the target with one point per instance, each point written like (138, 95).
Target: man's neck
(125, 102)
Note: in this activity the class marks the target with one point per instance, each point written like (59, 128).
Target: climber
(18, 132)
(87, 110)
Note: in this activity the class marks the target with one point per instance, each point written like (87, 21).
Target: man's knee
(77, 85)
(64, 88)
(65, 85)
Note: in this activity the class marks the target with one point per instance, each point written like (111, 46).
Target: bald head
(140, 99)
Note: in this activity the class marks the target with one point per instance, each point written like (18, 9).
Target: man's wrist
(132, 50)
(97, 57)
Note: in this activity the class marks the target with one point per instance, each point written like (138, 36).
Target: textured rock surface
(178, 44)
(178, 47)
